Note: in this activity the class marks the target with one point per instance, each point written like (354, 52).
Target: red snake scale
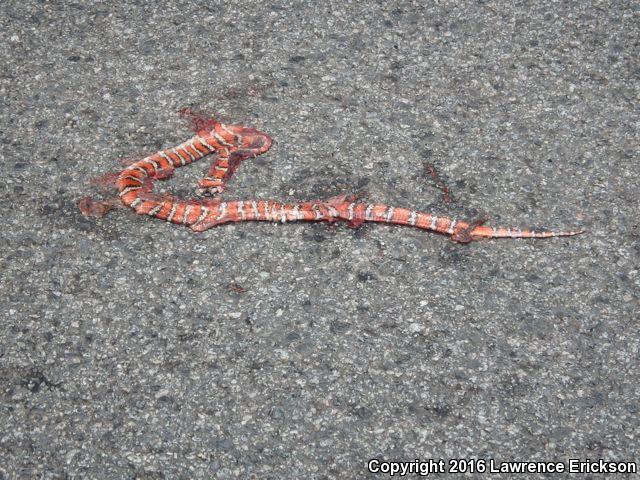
(232, 144)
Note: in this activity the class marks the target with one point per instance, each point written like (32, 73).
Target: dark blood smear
(446, 192)
(106, 180)
(198, 121)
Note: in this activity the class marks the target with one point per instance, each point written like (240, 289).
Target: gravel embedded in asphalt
(133, 348)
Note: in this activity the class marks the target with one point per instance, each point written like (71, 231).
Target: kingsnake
(232, 144)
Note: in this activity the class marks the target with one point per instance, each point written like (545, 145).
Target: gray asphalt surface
(126, 350)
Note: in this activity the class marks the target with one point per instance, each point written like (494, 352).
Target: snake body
(232, 144)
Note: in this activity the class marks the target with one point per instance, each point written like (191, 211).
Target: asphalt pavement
(134, 348)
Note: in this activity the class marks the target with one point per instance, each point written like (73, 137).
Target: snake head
(250, 139)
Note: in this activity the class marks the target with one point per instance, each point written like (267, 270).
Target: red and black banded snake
(232, 144)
